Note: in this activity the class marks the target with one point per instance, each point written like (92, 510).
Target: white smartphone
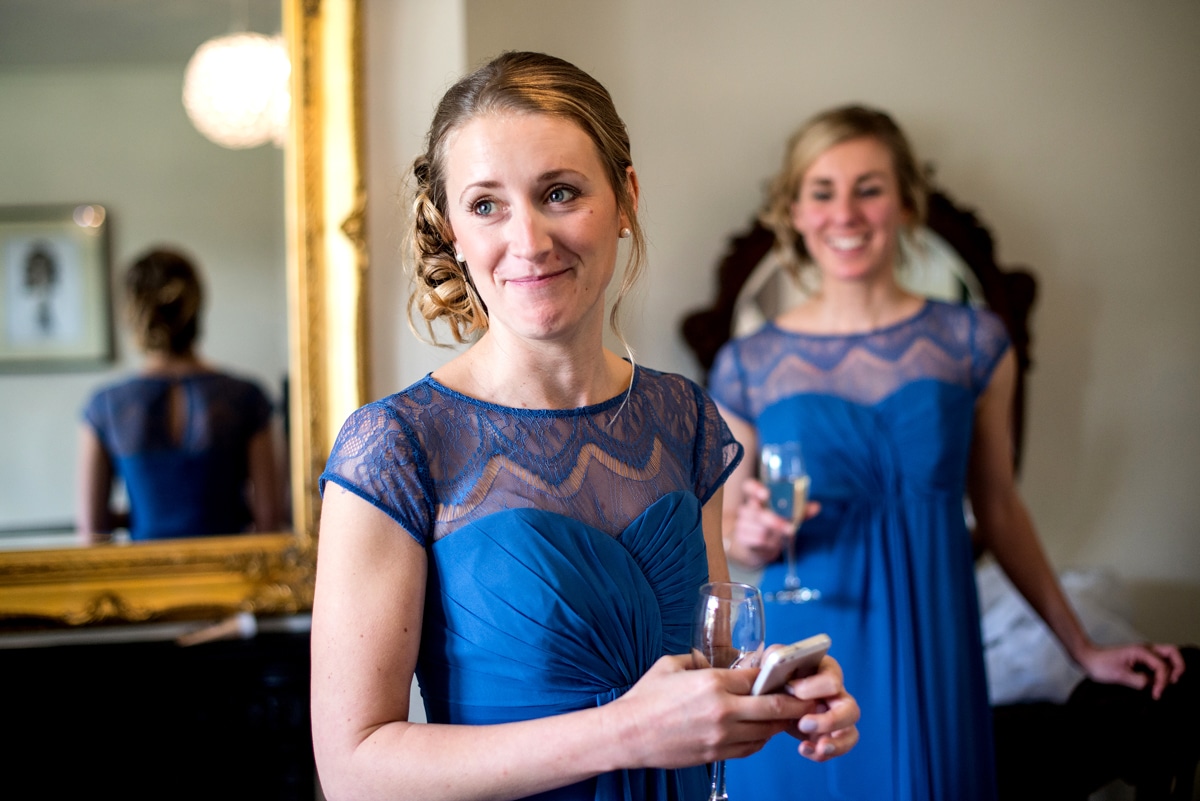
(793, 661)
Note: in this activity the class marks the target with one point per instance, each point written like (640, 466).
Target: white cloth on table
(1024, 660)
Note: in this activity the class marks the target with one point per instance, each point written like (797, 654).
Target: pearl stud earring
(625, 233)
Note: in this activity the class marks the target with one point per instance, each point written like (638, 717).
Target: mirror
(269, 573)
(101, 121)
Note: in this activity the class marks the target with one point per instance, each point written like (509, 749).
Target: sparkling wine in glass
(782, 471)
(728, 630)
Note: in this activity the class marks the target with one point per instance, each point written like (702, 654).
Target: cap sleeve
(989, 343)
(717, 452)
(727, 381)
(377, 457)
(94, 414)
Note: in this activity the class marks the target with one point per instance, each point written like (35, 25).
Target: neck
(519, 374)
(160, 361)
(853, 307)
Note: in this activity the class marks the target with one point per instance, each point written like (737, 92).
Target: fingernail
(828, 749)
(807, 749)
(808, 725)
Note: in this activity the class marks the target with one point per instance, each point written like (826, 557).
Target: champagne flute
(786, 479)
(727, 632)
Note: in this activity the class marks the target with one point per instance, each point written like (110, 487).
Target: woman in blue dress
(525, 529)
(902, 406)
(192, 444)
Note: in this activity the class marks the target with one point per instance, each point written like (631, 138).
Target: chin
(542, 329)
(857, 270)
(849, 276)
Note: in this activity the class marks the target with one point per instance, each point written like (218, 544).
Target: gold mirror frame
(265, 574)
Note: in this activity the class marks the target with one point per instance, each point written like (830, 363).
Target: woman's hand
(831, 728)
(758, 534)
(1136, 666)
(676, 716)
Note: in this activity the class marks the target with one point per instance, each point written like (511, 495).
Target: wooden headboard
(1008, 291)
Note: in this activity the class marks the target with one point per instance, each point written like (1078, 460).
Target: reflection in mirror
(97, 117)
(322, 212)
(192, 444)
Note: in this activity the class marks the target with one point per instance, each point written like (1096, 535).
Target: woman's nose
(528, 234)
(845, 208)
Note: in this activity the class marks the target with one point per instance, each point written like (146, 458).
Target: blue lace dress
(565, 548)
(192, 487)
(885, 420)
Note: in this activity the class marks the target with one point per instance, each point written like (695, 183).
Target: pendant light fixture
(235, 89)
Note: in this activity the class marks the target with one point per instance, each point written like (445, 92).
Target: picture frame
(55, 289)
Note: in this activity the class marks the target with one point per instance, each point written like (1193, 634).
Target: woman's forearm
(469, 763)
(1021, 556)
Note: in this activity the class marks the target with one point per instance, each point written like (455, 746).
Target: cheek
(476, 246)
(479, 272)
(803, 219)
(887, 216)
(797, 215)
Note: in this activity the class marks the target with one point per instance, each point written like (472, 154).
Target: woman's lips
(530, 280)
(846, 242)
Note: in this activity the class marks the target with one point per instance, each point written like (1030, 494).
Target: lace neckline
(595, 408)
(917, 316)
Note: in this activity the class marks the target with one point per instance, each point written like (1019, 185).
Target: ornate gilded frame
(264, 573)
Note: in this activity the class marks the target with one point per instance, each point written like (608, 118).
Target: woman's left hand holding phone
(676, 716)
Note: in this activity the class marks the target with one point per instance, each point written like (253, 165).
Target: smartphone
(793, 661)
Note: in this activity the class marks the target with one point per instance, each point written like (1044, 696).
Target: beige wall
(1070, 126)
(118, 136)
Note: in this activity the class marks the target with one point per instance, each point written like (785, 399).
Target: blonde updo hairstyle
(163, 301)
(521, 83)
(822, 132)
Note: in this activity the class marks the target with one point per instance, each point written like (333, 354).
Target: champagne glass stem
(792, 580)
(718, 782)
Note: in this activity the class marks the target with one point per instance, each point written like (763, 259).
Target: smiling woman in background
(903, 406)
(527, 527)
(193, 445)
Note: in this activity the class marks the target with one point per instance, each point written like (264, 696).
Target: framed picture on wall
(55, 310)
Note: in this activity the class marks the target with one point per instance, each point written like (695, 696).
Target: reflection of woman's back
(192, 444)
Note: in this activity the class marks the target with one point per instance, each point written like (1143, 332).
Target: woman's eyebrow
(562, 172)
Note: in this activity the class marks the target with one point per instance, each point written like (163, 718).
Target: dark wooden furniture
(1102, 734)
(154, 720)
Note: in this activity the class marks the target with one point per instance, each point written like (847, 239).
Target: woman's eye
(561, 194)
(483, 207)
(821, 196)
(870, 191)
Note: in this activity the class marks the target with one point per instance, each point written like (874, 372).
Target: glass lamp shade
(235, 90)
